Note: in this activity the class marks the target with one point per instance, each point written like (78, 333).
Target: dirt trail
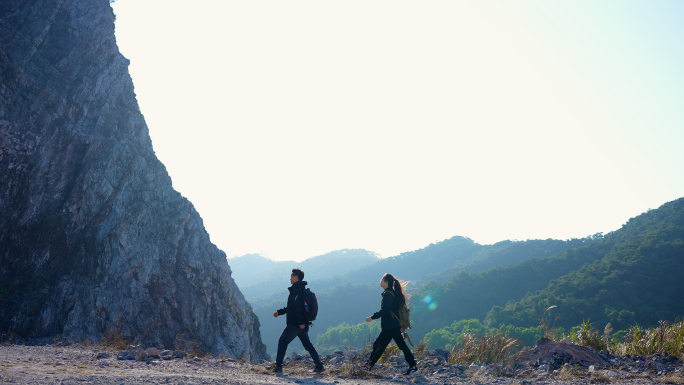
(88, 365)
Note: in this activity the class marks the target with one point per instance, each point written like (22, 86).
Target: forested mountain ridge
(506, 253)
(632, 275)
(639, 280)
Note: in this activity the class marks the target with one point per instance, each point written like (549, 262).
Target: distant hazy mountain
(257, 276)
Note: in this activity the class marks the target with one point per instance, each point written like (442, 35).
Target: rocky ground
(550, 363)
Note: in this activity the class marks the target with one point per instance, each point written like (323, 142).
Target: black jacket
(388, 304)
(295, 305)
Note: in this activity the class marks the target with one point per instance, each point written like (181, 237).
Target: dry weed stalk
(548, 332)
(354, 365)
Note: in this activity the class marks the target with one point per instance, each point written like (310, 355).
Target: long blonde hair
(399, 288)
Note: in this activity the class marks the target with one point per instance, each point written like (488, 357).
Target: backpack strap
(406, 336)
(392, 311)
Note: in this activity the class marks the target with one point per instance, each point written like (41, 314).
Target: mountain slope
(639, 280)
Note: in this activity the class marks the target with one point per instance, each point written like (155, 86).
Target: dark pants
(289, 334)
(384, 339)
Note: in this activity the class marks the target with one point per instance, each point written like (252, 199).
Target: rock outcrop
(93, 237)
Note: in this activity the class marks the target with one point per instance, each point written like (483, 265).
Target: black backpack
(310, 305)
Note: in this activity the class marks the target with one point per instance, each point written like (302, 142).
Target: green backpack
(403, 318)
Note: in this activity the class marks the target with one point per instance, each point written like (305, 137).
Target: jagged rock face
(92, 235)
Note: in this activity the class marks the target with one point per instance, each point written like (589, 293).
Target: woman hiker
(393, 297)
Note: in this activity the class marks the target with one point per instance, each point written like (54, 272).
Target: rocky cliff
(93, 237)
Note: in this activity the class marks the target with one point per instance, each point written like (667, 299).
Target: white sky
(301, 127)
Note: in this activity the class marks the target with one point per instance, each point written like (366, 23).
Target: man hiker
(296, 323)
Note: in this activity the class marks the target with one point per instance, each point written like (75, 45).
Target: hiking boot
(410, 370)
(367, 367)
(319, 367)
(277, 369)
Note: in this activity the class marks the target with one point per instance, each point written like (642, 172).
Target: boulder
(556, 354)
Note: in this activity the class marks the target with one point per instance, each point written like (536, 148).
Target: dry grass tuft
(260, 369)
(83, 372)
(670, 379)
(298, 367)
(113, 338)
(6, 338)
(353, 368)
(421, 351)
(588, 336)
(479, 376)
(493, 349)
(667, 338)
(568, 373)
(599, 377)
(391, 350)
(192, 348)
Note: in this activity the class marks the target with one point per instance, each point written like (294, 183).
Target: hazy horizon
(300, 128)
(406, 251)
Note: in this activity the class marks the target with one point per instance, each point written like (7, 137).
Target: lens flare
(427, 299)
(432, 306)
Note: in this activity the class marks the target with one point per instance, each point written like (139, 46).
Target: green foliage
(527, 336)
(344, 336)
(452, 335)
